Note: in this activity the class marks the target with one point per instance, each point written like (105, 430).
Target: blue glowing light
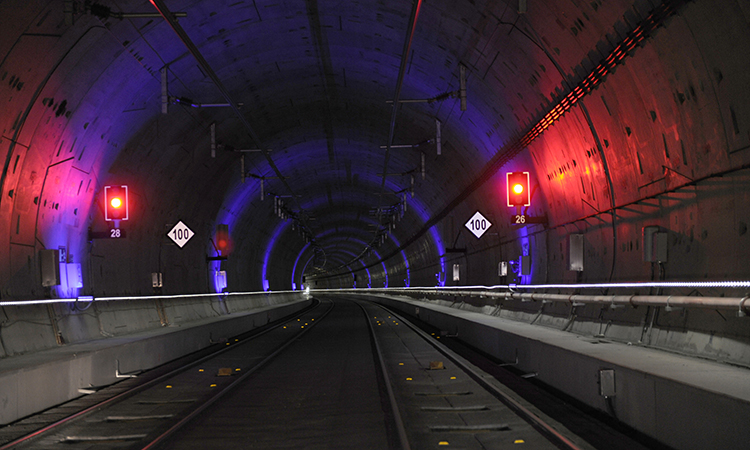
(296, 263)
(525, 251)
(220, 280)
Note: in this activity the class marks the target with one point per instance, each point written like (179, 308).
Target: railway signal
(518, 188)
(223, 244)
(116, 203)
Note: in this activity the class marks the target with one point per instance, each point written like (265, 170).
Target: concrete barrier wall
(36, 378)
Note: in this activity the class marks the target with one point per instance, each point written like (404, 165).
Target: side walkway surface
(684, 402)
(132, 336)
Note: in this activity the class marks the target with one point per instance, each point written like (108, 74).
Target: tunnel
(286, 146)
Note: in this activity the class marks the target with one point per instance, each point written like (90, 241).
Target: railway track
(345, 374)
(129, 412)
(446, 401)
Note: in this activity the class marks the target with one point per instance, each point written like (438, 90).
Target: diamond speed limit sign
(180, 234)
(478, 224)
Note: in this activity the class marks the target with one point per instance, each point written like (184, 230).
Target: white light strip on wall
(37, 302)
(145, 297)
(655, 284)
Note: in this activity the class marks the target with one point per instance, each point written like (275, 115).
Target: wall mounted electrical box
(502, 269)
(49, 261)
(74, 275)
(156, 280)
(655, 244)
(607, 383)
(575, 252)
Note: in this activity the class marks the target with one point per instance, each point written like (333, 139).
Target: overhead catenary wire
(177, 28)
(416, 5)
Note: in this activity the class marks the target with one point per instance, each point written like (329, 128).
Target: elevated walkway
(36, 379)
(682, 401)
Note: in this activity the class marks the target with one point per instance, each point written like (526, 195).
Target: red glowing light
(517, 185)
(116, 203)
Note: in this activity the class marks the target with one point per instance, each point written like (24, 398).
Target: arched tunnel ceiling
(84, 98)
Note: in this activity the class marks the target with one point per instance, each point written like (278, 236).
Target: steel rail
(193, 414)
(387, 381)
(533, 419)
(137, 389)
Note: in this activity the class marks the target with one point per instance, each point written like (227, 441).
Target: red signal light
(518, 188)
(223, 243)
(116, 203)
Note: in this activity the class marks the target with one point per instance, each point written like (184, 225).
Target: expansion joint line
(596, 77)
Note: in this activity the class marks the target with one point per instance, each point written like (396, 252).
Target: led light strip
(145, 297)
(654, 284)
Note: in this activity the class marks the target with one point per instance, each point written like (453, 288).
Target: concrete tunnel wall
(662, 141)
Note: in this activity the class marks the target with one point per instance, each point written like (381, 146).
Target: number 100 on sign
(478, 224)
(180, 234)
